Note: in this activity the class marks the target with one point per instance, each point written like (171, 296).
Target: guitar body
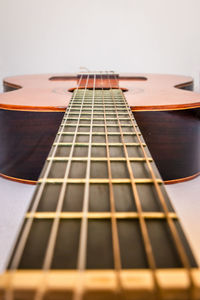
(166, 110)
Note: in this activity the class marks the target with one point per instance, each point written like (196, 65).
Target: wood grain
(173, 138)
(25, 139)
(156, 92)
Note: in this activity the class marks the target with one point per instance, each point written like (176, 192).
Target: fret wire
(99, 180)
(96, 119)
(60, 158)
(97, 133)
(175, 235)
(96, 106)
(143, 226)
(97, 113)
(97, 144)
(81, 264)
(27, 227)
(97, 125)
(90, 110)
(115, 237)
(85, 125)
(100, 215)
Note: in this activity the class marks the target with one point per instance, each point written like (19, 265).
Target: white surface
(186, 200)
(14, 201)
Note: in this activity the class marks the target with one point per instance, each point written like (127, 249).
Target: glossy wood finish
(25, 139)
(44, 92)
(173, 138)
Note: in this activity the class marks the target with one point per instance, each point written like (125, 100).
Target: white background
(39, 36)
(156, 36)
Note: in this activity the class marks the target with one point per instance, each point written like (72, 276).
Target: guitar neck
(100, 223)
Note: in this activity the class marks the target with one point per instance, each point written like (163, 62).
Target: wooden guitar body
(164, 107)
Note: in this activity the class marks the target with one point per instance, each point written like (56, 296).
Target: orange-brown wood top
(144, 92)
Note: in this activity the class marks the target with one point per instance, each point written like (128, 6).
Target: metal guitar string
(115, 237)
(81, 265)
(170, 222)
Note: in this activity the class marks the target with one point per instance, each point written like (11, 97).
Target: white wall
(39, 36)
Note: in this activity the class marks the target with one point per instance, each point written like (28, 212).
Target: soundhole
(67, 78)
(102, 82)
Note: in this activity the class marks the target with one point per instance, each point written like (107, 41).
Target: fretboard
(100, 224)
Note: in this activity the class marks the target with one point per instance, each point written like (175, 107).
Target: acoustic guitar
(100, 225)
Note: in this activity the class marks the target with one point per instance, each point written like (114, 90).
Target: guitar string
(145, 235)
(81, 264)
(173, 230)
(115, 237)
(28, 223)
(20, 247)
(54, 230)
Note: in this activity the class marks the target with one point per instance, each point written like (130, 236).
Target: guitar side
(168, 119)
